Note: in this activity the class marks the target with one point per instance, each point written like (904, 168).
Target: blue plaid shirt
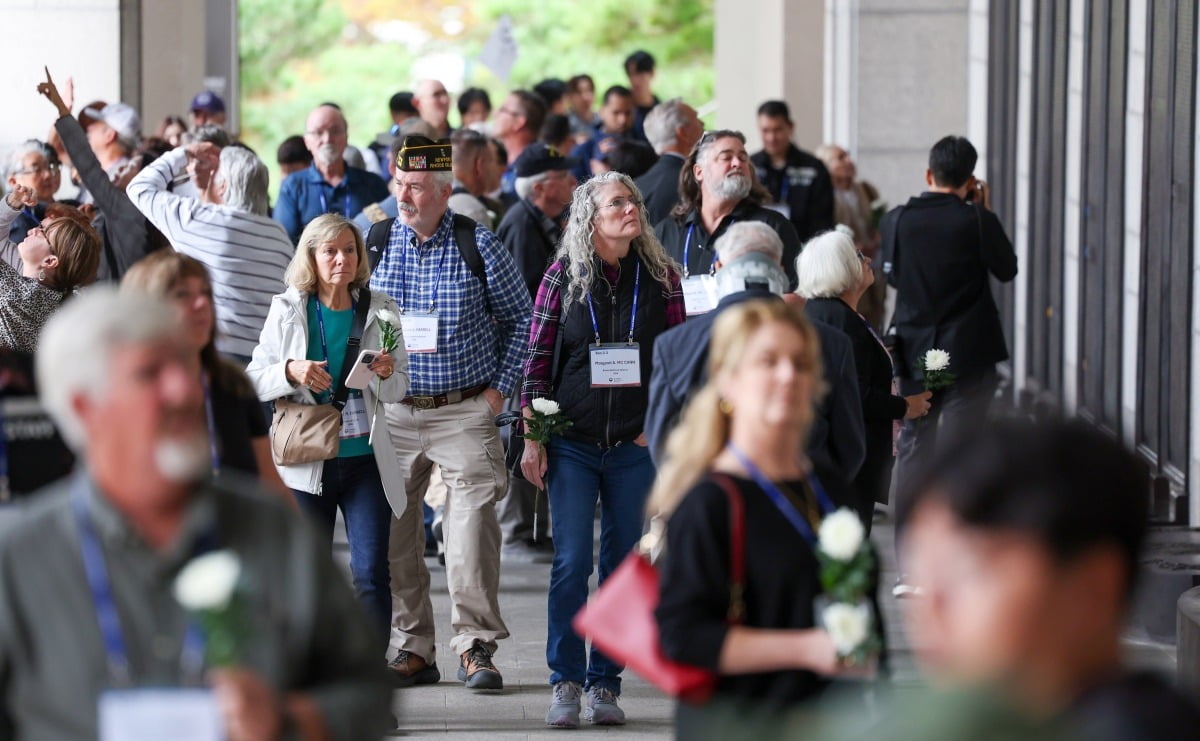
(481, 339)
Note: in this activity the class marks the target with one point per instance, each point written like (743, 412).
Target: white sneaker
(564, 708)
(602, 709)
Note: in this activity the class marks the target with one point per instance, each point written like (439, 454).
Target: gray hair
(245, 178)
(97, 322)
(576, 250)
(745, 237)
(211, 133)
(828, 266)
(662, 122)
(443, 178)
(524, 185)
(16, 158)
(748, 270)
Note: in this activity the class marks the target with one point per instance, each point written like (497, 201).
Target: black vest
(608, 416)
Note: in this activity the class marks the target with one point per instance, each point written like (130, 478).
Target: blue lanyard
(325, 205)
(324, 344)
(785, 186)
(637, 281)
(687, 245)
(212, 426)
(5, 490)
(797, 520)
(437, 280)
(32, 217)
(192, 657)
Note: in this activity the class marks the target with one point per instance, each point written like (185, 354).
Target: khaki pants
(465, 444)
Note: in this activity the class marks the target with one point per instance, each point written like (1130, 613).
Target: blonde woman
(611, 291)
(299, 356)
(749, 422)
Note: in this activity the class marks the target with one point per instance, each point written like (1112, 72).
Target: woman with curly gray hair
(609, 293)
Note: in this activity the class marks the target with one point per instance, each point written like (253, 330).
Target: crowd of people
(724, 361)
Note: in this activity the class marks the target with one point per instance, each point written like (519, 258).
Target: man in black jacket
(715, 191)
(680, 361)
(532, 226)
(938, 251)
(672, 128)
(798, 182)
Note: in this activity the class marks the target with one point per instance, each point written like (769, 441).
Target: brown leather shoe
(476, 670)
(409, 669)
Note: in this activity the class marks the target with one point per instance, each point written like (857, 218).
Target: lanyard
(32, 217)
(5, 490)
(212, 426)
(637, 281)
(325, 205)
(406, 234)
(321, 324)
(788, 509)
(687, 245)
(785, 186)
(192, 657)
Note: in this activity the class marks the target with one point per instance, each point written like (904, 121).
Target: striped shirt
(481, 339)
(246, 254)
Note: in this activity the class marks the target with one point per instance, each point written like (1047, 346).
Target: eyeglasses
(336, 131)
(52, 169)
(622, 203)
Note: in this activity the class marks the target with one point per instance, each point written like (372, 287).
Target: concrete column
(173, 43)
(768, 49)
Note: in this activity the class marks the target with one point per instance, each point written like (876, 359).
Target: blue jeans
(353, 484)
(578, 473)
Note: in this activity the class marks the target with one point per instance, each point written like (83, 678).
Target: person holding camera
(939, 250)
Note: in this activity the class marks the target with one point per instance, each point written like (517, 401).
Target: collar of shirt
(313, 175)
(199, 519)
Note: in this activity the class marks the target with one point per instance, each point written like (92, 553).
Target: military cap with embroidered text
(421, 153)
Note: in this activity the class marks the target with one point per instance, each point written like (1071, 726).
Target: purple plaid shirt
(543, 330)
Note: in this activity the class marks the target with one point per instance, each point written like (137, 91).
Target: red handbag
(619, 619)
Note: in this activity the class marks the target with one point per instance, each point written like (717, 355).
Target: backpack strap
(468, 248)
(377, 240)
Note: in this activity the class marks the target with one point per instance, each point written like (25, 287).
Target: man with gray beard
(717, 189)
(328, 185)
(90, 624)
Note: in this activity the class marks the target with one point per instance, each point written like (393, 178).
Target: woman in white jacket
(299, 356)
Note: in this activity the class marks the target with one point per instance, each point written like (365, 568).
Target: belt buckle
(424, 402)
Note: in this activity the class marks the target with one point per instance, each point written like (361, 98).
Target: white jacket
(284, 337)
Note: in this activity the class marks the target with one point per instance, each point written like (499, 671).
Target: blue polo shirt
(305, 195)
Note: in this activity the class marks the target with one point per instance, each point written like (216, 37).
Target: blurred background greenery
(296, 54)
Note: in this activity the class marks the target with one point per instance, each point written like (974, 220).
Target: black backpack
(464, 235)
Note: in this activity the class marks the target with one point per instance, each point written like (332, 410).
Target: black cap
(422, 153)
(538, 158)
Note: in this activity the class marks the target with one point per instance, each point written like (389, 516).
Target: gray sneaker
(602, 709)
(564, 709)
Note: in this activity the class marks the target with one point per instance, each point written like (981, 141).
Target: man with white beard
(715, 191)
(328, 185)
(91, 620)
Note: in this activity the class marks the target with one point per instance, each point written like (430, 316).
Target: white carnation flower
(388, 316)
(207, 582)
(937, 360)
(848, 625)
(841, 534)
(548, 407)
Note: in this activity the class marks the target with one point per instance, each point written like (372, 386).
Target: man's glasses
(318, 133)
(52, 169)
(622, 203)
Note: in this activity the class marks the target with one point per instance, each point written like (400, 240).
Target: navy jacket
(680, 364)
(660, 186)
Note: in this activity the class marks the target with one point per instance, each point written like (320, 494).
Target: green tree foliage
(272, 33)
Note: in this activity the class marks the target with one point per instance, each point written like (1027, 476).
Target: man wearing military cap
(465, 314)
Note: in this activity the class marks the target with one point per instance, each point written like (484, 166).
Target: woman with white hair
(834, 274)
(609, 293)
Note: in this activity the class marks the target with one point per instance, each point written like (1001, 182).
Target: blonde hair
(703, 430)
(575, 249)
(77, 247)
(302, 270)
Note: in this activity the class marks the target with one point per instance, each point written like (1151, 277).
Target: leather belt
(441, 400)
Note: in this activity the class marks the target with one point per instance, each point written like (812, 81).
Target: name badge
(161, 712)
(616, 364)
(354, 418)
(700, 294)
(781, 208)
(420, 332)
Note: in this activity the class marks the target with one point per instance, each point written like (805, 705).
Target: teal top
(337, 334)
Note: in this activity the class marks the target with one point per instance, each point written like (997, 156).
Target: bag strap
(737, 549)
(464, 237)
(361, 309)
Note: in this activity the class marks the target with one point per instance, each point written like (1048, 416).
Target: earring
(41, 276)
(725, 406)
